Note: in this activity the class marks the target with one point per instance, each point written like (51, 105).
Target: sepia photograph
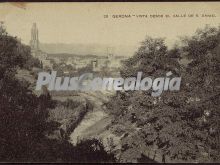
(106, 82)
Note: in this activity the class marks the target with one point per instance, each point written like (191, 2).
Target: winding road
(95, 122)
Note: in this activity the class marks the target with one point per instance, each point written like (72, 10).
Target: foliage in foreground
(24, 116)
(181, 125)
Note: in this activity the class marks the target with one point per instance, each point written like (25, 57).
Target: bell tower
(34, 43)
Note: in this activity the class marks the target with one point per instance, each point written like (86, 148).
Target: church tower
(110, 53)
(34, 43)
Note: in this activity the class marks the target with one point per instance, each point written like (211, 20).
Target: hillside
(85, 49)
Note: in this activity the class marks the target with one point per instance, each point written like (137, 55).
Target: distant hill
(66, 55)
(85, 49)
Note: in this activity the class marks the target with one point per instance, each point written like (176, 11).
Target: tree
(134, 108)
(24, 116)
(181, 125)
(23, 119)
(33, 62)
(203, 75)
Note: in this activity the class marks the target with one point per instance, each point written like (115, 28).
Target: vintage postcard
(100, 82)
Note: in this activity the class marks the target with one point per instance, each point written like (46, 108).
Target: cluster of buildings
(76, 61)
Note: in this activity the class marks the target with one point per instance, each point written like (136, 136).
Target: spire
(34, 43)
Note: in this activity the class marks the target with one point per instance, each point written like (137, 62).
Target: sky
(85, 23)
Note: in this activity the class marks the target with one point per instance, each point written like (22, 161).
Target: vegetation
(179, 125)
(22, 114)
(86, 69)
(69, 114)
(25, 117)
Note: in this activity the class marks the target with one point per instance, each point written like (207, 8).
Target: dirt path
(87, 128)
(95, 122)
